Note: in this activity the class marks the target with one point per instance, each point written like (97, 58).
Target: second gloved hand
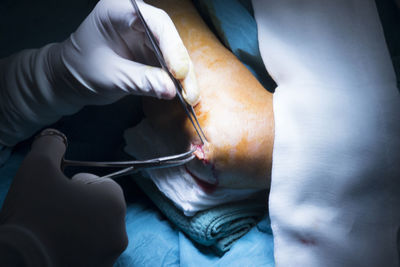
(50, 220)
(106, 58)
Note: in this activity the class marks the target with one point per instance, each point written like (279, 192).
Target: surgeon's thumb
(173, 50)
(88, 178)
(50, 145)
(45, 157)
(43, 162)
(140, 79)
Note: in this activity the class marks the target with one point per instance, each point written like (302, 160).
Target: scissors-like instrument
(127, 167)
(188, 108)
(130, 167)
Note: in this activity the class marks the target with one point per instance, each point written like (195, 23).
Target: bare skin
(235, 111)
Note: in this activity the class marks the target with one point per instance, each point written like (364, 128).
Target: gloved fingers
(42, 164)
(86, 178)
(173, 49)
(105, 188)
(170, 43)
(105, 194)
(191, 92)
(146, 80)
(50, 145)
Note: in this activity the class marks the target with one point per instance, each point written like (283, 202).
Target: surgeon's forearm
(32, 94)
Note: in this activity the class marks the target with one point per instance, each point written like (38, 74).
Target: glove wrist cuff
(35, 90)
(20, 245)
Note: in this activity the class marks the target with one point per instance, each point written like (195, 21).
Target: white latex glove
(335, 192)
(104, 60)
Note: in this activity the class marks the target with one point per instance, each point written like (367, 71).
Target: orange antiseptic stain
(232, 102)
(201, 113)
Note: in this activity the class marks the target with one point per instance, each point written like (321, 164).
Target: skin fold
(235, 111)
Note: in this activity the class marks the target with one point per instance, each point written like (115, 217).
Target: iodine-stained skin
(235, 111)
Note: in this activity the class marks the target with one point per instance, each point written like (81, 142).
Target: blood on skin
(307, 242)
(206, 187)
(201, 155)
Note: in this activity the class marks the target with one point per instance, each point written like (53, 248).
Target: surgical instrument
(128, 167)
(188, 108)
(133, 166)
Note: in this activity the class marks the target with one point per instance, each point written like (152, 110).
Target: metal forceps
(188, 108)
(128, 167)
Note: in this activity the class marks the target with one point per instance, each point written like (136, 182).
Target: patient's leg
(235, 111)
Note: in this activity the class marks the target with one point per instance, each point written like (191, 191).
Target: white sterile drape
(143, 142)
(335, 192)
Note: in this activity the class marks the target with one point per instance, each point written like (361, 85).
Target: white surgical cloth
(335, 192)
(175, 183)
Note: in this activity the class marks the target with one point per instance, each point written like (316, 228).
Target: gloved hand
(104, 60)
(335, 187)
(52, 220)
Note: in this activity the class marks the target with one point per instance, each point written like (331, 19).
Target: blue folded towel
(217, 227)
